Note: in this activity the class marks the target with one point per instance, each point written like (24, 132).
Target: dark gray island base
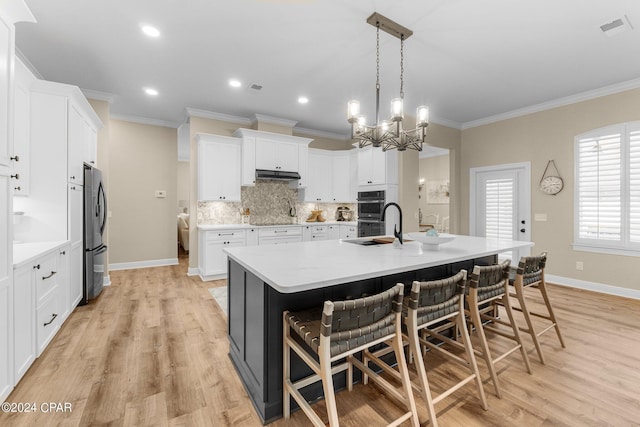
(255, 326)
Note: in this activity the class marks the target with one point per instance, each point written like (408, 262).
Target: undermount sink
(382, 240)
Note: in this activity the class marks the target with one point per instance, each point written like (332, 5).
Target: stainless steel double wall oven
(370, 205)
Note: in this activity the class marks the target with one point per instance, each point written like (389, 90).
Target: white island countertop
(304, 266)
(24, 253)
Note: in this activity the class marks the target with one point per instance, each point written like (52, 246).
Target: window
(607, 190)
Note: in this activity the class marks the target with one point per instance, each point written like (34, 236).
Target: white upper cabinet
(276, 155)
(343, 185)
(21, 135)
(6, 63)
(376, 167)
(272, 151)
(219, 162)
(331, 177)
(319, 183)
(75, 136)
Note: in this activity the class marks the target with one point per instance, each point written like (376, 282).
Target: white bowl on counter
(430, 243)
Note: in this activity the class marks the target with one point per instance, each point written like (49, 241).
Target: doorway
(433, 189)
(500, 204)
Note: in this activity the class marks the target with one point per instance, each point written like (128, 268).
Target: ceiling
(467, 60)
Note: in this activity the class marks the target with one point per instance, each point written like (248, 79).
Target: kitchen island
(265, 281)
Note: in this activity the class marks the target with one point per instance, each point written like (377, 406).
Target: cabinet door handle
(49, 276)
(15, 158)
(37, 266)
(17, 188)
(53, 317)
(16, 176)
(63, 253)
(72, 177)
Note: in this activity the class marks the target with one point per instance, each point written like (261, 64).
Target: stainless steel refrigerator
(95, 221)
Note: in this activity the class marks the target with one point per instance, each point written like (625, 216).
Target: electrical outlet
(579, 265)
(161, 194)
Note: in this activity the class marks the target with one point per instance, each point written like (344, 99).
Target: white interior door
(501, 204)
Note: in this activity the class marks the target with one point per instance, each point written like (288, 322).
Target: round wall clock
(551, 184)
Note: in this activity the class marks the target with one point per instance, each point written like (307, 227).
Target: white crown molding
(194, 112)
(445, 122)
(17, 11)
(28, 64)
(273, 120)
(560, 102)
(592, 286)
(143, 264)
(100, 96)
(145, 121)
(321, 134)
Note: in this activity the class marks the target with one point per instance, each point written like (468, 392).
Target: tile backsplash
(268, 202)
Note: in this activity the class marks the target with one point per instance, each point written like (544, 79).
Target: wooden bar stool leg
(507, 305)
(414, 348)
(398, 348)
(286, 368)
(527, 317)
(327, 383)
(543, 290)
(474, 313)
(466, 341)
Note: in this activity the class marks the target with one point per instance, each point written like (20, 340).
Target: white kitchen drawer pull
(53, 317)
(49, 276)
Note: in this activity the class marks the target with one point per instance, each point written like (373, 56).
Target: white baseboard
(193, 271)
(143, 264)
(212, 277)
(592, 286)
(106, 280)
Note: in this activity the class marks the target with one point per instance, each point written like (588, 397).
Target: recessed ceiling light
(303, 100)
(150, 31)
(150, 91)
(235, 83)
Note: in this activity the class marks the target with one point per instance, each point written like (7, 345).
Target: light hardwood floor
(152, 351)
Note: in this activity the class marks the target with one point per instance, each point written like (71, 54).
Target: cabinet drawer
(225, 235)
(46, 276)
(279, 240)
(48, 318)
(348, 231)
(280, 231)
(319, 229)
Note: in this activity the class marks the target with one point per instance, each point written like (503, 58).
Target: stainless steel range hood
(277, 175)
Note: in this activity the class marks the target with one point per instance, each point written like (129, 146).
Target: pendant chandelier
(388, 134)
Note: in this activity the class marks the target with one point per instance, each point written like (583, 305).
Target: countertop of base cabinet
(313, 265)
(299, 224)
(24, 253)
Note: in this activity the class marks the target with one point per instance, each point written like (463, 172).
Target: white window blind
(634, 186)
(499, 208)
(599, 192)
(607, 189)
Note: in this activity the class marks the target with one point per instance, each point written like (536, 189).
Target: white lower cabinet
(212, 259)
(24, 315)
(252, 237)
(348, 231)
(38, 305)
(333, 232)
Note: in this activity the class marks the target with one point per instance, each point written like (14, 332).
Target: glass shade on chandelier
(388, 134)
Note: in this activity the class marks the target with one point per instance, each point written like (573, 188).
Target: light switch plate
(540, 217)
(161, 194)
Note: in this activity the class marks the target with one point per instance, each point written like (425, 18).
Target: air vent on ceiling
(616, 26)
(255, 88)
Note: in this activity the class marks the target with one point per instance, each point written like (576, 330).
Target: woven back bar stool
(434, 307)
(342, 329)
(530, 274)
(488, 286)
